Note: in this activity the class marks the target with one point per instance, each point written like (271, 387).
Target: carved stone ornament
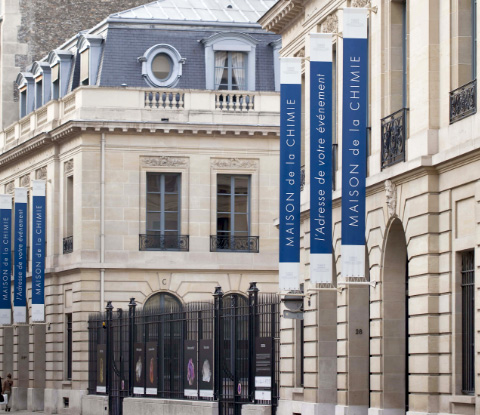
(300, 53)
(164, 161)
(234, 163)
(41, 173)
(330, 25)
(10, 187)
(68, 166)
(360, 3)
(391, 196)
(25, 181)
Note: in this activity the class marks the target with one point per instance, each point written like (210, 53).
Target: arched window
(162, 301)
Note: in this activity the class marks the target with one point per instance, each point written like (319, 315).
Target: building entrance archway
(395, 321)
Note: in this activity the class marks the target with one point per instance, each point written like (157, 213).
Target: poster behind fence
(263, 362)
(139, 369)
(354, 152)
(152, 362)
(101, 368)
(38, 251)
(205, 380)
(6, 259)
(191, 369)
(20, 257)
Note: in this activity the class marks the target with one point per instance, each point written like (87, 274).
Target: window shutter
(84, 58)
(55, 72)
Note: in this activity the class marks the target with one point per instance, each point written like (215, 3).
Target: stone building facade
(405, 342)
(123, 121)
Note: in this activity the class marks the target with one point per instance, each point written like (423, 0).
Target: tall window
(230, 70)
(39, 92)
(69, 345)
(68, 216)
(233, 213)
(468, 323)
(163, 203)
(56, 81)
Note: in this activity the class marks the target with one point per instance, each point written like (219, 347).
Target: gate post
(252, 334)
(109, 309)
(131, 327)
(218, 346)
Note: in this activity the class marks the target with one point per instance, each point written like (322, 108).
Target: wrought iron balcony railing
(234, 243)
(164, 243)
(68, 244)
(463, 101)
(394, 134)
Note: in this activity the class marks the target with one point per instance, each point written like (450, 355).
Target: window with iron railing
(163, 214)
(233, 215)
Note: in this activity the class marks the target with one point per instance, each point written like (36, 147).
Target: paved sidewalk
(2, 411)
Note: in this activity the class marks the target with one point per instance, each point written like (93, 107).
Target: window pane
(241, 223)
(241, 185)
(153, 182)
(241, 203)
(171, 203)
(171, 183)
(223, 183)
(153, 221)
(223, 221)
(161, 66)
(153, 202)
(171, 221)
(223, 203)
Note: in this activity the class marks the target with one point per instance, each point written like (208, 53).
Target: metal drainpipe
(102, 221)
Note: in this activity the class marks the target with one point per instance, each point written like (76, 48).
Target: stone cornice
(74, 127)
(281, 15)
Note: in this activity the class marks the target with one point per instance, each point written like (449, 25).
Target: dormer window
(162, 66)
(38, 91)
(230, 61)
(61, 69)
(56, 81)
(26, 89)
(90, 51)
(42, 74)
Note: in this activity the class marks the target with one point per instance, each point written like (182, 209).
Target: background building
(30, 29)
(408, 342)
(157, 134)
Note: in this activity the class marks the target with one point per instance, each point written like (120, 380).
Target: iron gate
(233, 324)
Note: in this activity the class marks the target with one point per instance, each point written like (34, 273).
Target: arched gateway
(395, 320)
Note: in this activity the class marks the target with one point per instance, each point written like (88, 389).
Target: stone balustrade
(134, 105)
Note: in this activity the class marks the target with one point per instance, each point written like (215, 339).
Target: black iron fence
(463, 101)
(394, 134)
(225, 350)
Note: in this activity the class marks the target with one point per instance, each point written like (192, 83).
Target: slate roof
(228, 11)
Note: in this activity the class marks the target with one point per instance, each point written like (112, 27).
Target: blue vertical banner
(321, 124)
(354, 141)
(6, 259)
(38, 250)
(20, 257)
(290, 172)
